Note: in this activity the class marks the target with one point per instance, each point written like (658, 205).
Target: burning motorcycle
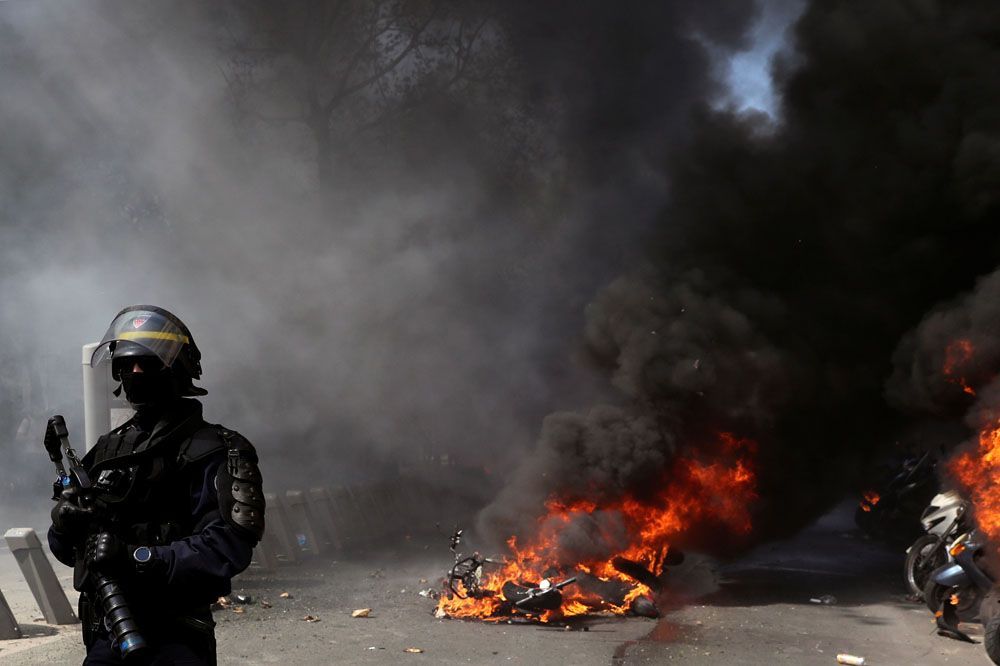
(956, 589)
(943, 520)
(892, 513)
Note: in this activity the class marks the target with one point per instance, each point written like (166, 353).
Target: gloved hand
(71, 519)
(108, 555)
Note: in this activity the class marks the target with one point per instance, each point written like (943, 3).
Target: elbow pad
(240, 487)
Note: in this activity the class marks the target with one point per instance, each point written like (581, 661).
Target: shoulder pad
(240, 486)
(205, 442)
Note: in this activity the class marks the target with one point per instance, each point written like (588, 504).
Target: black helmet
(150, 331)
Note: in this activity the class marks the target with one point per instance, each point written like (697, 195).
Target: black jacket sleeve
(202, 564)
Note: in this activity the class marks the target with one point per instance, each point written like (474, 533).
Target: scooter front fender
(950, 575)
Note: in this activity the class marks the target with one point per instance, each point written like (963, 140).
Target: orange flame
(958, 354)
(979, 472)
(869, 500)
(719, 491)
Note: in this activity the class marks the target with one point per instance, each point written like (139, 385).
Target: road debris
(429, 593)
(244, 599)
(361, 612)
(264, 603)
(310, 618)
(412, 650)
(825, 600)
(850, 660)
(440, 613)
(286, 595)
(239, 610)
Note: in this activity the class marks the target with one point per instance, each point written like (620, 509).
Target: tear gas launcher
(118, 616)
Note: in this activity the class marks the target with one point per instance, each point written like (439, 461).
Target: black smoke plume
(791, 258)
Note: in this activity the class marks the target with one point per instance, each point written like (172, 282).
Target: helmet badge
(139, 321)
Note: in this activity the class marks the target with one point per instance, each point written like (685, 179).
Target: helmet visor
(148, 329)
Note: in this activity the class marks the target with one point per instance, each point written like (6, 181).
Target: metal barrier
(279, 532)
(304, 521)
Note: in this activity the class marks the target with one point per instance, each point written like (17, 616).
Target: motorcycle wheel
(991, 639)
(925, 555)
(936, 596)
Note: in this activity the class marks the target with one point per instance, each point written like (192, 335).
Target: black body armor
(144, 482)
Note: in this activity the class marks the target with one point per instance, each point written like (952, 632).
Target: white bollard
(49, 594)
(8, 625)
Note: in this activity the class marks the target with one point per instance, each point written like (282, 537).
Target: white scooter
(944, 520)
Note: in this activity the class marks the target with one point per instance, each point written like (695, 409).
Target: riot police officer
(175, 509)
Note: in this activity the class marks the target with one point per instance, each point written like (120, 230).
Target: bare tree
(344, 68)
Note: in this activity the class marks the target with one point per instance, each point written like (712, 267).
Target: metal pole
(96, 398)
(102, 411)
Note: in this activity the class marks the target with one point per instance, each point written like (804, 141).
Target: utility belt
(172, 626)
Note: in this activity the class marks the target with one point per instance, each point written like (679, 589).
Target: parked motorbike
(943, 520)
(955, 590)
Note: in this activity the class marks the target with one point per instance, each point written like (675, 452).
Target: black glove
(71, 519)
(108, 555)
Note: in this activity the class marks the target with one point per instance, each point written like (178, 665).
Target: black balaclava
(151, 391)
(146, 389)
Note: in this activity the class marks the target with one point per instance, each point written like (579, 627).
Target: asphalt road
(762, 614)
(755, 611)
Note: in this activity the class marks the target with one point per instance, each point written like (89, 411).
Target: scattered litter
(310, 618)
(286, 595)
(361, 612)
(221, 603)
(850, 660)
(429, 593)
(245, 599)
(239, 610)
(423, 580)
(440, 613)
(264, 603)
(825, 600)
(413, 650)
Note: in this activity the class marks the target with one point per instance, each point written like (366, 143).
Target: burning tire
(925, 555)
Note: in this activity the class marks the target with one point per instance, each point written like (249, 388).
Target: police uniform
(184, 501)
